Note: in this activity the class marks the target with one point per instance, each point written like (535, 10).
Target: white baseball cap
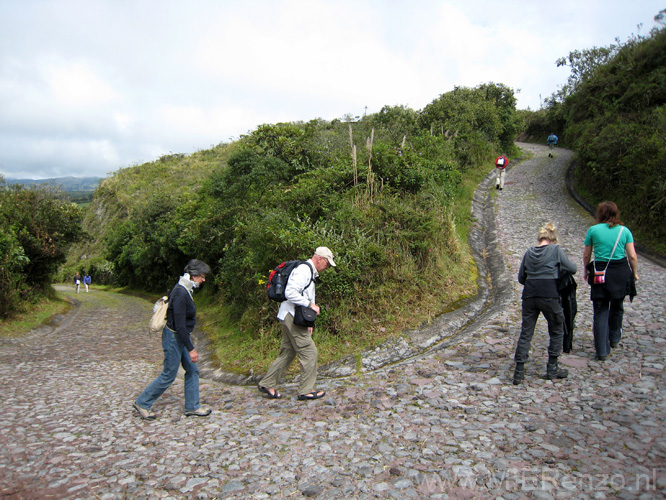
(326, 253)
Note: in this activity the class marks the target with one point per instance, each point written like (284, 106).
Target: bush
(615, 117)
(380, 192)
(37, 225)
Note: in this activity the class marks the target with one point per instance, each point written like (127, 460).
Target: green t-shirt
(602, 237)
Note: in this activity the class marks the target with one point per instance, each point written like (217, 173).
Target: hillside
(131, 192)
(390, 194)
(612, 112)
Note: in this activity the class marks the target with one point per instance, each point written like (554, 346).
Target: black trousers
(607, 324)
(551, 308)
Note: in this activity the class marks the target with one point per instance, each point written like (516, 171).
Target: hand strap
(612, 252)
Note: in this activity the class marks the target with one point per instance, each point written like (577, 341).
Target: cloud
(77, 157)
(75, 84)
(90, 86)
(304, 56)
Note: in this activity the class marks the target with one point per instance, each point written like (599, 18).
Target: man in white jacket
(297, 340)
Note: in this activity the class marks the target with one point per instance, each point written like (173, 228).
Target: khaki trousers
(500, 173)
(296, 341)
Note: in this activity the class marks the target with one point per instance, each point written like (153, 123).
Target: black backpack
(277, 280)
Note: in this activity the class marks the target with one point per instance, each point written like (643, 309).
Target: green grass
(36, 315)
(238, 352)
(241, 353)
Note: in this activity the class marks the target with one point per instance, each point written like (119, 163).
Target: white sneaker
(202, 411)
(145, 414)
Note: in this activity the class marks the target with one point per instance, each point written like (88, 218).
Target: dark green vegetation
(389, 194)
(81, 198)
(612, 112)
(37, 225)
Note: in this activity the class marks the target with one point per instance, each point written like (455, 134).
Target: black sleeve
(522, 274)
(179, 305)
(565, 263)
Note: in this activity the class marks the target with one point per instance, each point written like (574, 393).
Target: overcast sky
(91, 86)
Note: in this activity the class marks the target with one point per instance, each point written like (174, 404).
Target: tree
(396, 122)
(37, 225)
(615, 119)
(582, 63)
(473, 119)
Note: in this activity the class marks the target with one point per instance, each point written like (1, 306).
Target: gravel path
(445, 425)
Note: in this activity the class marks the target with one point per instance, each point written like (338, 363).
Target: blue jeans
(607, 324)
(175, 354)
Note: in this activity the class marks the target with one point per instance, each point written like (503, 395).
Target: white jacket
(298, 292)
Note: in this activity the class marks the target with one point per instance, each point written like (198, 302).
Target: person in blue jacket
(552, 140)
(178, 347)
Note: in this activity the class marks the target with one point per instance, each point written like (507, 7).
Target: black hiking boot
(518, 375)
(553, 371)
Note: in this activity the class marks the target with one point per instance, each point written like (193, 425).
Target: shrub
(37, 225)
(615, 119)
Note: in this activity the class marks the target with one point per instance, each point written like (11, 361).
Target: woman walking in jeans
(612, 275)
(178, 347)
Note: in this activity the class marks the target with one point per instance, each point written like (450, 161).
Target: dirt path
(444, 425)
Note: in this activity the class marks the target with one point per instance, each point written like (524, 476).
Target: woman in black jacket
(178, 347)
(539, 272)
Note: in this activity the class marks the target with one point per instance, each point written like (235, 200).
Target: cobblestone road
(445, 425)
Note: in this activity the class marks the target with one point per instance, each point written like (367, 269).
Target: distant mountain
(65, 183)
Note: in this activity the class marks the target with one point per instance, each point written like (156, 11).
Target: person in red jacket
(500, 168)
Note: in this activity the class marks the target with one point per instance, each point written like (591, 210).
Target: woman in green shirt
(612, 275)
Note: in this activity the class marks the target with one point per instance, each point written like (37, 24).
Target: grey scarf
(187, 283)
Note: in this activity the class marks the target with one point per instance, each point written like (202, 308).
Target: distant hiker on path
(538, 273)
(552, 141)
(297, 340)
(612, 275)
(77, 281)
(500, 169)
(86, 281)
(178, 347)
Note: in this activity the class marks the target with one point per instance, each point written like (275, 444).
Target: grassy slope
(180, 175)
(235, 350)
(239, 353)
(129, 188)
(38, 314)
